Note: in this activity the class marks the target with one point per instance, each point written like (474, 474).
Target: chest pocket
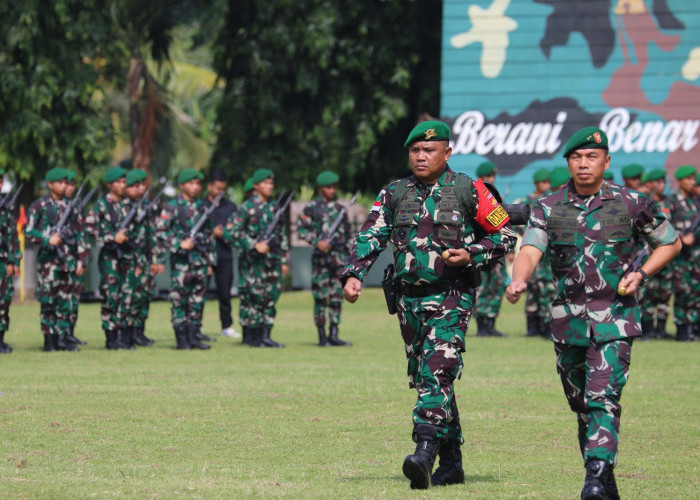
(616, 228)
(562, 230)
(449, 219)
(405, 219)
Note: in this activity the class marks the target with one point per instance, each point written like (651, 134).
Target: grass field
(307, 422)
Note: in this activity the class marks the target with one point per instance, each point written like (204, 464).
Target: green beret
(608, 175)
(486, 168)
(559, 177)
(542, 175)
(261, 174)
(654, 175)
(697, 178)
(430, 130)
(2, 172)
(188, 174)
(56, 174)
(135, 175)
(114, 174)
(327, 178)
(632, 170)
(586, 138)
(248, 186)
(71, 175)
(685, 171)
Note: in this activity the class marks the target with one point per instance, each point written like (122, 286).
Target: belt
(418, 291)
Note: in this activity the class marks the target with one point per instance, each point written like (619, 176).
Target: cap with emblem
(684, 171)
(262, 174)
(586, 138)
(431, 130)
(114, 173)
(189, 174)
(248, 186)
(327, 178)
(559, 177)
(542, 175)
(485, 168)
(134, 176)
(56, 174)
(632, 171)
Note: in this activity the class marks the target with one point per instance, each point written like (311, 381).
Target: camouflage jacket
(103, 222)
(591, 243)
(683, 212)
(316, 219)
(250, 222)
(142, 243)
(43, 215)
(428, 220)
(9, 243)
(176, 220)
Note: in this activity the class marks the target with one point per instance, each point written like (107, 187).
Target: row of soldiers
(681, 277)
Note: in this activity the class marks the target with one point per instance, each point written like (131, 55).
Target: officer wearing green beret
(595, 314)
(442, 227)
(191, 259)
(685, 210)
(632, 175)
(10, 257)
(266, 262)
(329, 255)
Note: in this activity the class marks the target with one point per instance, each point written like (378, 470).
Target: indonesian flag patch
(490, 215)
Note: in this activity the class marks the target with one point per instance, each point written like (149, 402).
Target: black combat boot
(246, 335)
(450, 470)
(543, 327)
(660, 330)
(333, 337)
(419, 466)
(63, 344)
(266, 338)
(4, 348)
(532, 326)
(482, 328)
(322, 339)
(683, 333)
(256, 337)
(597, 474)
(72, 338)
(140, 337)
(490, 325)
(182, 337)
(647, 329)
(50, 343)
(112, 340)
(611, 487)
(126, 337)
(192, 338)
(202, 337)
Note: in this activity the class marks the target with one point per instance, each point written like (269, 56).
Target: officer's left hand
(285, 270)
(458, 257)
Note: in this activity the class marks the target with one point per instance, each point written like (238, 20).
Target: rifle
(86, 199)
(60, 227)
(153, 204)
(133, 212)
(267, 234)
(8, 202)
(333, 230)
(195, 231)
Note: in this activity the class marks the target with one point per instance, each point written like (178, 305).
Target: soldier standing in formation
(493, 277)
(191, 259)
(595, 315)
(684, 210)
(442, 226)
(328, 257)
(57, 249)
(266, 262)
(10, 257)
(244, 312)
(632, 176)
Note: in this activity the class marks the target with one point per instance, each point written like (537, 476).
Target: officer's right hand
(187, 244)
(352, 290)
(55, 240)
(120, 237)
(515, 290)
(324, 246)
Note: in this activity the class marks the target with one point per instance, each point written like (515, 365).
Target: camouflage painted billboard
(520, 76)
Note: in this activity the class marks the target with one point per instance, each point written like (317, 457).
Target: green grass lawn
(307, 422)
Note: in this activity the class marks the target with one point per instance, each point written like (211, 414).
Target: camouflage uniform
(188, 279)
(591, 243)
(435, 302)
(263, 276)
(314, 222)
(489, 295)
(55, 265)
(77, 281)
(686, 266)
(10, 255)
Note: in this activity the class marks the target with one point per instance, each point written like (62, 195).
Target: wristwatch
(645, 277)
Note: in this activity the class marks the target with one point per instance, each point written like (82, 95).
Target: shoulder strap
(399, 192)
(463, 188)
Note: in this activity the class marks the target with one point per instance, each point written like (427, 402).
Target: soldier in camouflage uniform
(191, 259)
(632, 176)
(244, 309)
(591, 231)
(686, 268)
(493, 277)
(57, 257)
(265, 262)
(10, 257)
(328, 257)
(442, 227)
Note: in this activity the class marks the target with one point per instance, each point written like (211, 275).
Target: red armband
(490, 215)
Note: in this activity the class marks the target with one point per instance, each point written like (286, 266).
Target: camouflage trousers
(593, 378)
(263, 285)
(7, 290)
(490, 293)
(655, 296)
(326, 290)
(135, 290)
(188, 287)
(55, 291)
(433, 331)
(540, 292)
(112, 272)
(75, 297)
(686, 286)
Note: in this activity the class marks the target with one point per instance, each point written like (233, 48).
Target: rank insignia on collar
(429, 134)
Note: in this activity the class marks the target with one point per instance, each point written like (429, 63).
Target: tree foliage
(321, 84)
